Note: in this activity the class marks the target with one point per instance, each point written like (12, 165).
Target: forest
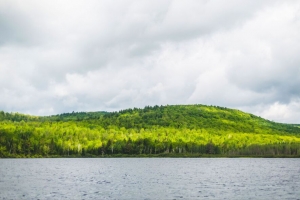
(171, 130)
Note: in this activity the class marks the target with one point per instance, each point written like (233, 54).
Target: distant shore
(169, 155)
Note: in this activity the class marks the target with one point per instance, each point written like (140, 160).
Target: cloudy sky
(64, 56)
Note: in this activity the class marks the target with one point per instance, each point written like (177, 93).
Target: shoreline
(153, 156)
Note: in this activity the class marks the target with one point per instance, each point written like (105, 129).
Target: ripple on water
(150, 178)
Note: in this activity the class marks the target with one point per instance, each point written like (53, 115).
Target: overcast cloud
(64, 56)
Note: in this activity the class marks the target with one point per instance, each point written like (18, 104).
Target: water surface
(150, 178)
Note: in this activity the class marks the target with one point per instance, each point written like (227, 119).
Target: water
(150, 178)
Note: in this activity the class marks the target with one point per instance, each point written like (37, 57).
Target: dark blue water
(150, 178)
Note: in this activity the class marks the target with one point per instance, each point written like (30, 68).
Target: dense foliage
(167, 130)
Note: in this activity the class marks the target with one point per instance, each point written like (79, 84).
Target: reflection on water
(150, 178)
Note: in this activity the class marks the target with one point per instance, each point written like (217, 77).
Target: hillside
(175, 129)
(196, 117)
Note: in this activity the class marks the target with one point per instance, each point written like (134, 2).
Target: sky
(63, 56)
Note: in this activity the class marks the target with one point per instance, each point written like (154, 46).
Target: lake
(150, 178)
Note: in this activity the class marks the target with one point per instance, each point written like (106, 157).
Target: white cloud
(285, 113)
(60, 56)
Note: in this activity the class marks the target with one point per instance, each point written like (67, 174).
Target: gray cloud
(60, 56)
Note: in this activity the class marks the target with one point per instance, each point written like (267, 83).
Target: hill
(164, 130)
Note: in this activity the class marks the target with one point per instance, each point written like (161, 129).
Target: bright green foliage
(192, 129)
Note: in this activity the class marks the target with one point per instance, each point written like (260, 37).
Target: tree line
(182, 129)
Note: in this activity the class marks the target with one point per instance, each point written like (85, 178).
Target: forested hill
(151, 130)
(195, 117)
(176, 116)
